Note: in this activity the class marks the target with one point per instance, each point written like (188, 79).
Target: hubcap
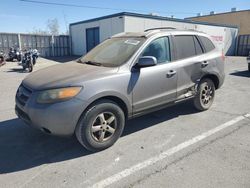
(207, 94)
(104, 126)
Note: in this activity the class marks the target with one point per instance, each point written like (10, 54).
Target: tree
(39, 31)
(53, 26)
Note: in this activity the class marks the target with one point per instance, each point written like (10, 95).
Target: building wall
(240, 19)
(224, 37)
(108, 27)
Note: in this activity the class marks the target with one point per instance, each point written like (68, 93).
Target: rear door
(188, 53)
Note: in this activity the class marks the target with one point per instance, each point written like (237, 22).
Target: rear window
(208, 45)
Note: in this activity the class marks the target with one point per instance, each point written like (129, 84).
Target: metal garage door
(92, 37)
(243, 45)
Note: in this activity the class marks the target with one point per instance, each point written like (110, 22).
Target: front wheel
(205, 95)
(30, 67)
(100, 126)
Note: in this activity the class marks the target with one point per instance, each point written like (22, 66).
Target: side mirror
(146, 61)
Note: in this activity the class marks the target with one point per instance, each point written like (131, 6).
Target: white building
(87, 34)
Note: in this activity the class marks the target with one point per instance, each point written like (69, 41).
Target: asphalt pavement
(174, 147)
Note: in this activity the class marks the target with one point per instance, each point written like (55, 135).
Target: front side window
(159, 49)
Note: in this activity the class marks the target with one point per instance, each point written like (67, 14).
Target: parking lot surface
(174, 147)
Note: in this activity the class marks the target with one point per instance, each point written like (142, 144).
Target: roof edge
(152, 17)
(235, 12)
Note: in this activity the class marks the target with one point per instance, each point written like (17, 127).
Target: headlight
(56, 95)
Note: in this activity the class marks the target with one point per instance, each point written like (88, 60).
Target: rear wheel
(205, 95)
(100, 126)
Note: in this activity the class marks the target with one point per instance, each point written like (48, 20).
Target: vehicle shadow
(157, 117)
(241, 73)
(23, 147)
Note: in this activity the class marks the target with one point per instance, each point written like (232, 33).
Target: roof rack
(159, 28)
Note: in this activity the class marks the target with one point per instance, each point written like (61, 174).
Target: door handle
(204, 64)
(171, 73)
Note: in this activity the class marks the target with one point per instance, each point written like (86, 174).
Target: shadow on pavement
(157, 117)
(23, 147)
(242, 74)
(18, 70)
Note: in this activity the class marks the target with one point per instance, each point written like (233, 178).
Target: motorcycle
(35, 55)
(27, 61)
(14, 53)
(2, 58)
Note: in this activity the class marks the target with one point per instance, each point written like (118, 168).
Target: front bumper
(58, 118)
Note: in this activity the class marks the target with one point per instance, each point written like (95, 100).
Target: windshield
(113, 52)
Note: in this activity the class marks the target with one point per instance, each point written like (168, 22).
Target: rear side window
(198, 48)
(185, 46)
(160, 49)
(208, 45)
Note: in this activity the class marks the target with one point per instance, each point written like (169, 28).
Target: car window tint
(185, 46)
(159, 49)
(209, 46)
(198, 48)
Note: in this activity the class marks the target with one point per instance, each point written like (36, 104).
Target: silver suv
(128, 75)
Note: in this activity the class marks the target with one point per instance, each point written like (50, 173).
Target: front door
(155, 85)
(92, 37)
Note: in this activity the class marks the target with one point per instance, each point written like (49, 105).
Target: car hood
(64, 75)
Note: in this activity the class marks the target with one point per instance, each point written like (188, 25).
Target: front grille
(23, 94)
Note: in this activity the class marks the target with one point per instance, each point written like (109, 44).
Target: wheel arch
(214, 78)
(120, 100)
(117, 100)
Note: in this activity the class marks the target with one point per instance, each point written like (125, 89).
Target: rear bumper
(221, 80)
(57, 119)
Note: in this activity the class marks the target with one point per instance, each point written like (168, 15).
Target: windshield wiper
(93, 63)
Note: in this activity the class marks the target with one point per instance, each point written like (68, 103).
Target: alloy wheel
(207, 94)
(104, 126)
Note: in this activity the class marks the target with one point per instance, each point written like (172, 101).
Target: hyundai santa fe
(127, 75)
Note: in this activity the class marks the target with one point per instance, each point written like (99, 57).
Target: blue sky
(19, 16)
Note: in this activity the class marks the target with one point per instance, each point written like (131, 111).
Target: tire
(19, 58)
(249, 67)
(94, 131)
(30, 68)
(205, 95)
